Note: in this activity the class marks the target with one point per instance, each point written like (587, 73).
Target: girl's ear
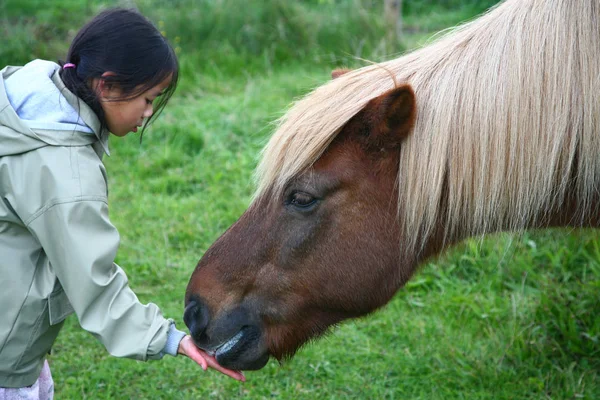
(104, 89)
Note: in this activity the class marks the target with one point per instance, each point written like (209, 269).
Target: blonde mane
(508, 118)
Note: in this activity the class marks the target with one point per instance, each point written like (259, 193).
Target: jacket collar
(87, 115)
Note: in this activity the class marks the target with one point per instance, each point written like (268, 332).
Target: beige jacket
(57, 244)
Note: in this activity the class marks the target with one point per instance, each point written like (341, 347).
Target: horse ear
(391, 116)
(336, 73)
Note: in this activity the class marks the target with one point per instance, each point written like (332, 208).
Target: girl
(57, 244)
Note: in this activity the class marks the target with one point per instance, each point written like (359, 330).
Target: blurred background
(264, 33)
(506, 317)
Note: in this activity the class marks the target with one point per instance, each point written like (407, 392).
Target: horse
(492, 127)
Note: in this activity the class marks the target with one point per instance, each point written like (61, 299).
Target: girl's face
(124, 116)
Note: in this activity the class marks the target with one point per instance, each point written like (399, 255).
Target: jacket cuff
(174, 336)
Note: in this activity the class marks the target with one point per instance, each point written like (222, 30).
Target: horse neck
(567, 215)
(506, 137)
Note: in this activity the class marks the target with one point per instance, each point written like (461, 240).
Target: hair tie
(69, 65)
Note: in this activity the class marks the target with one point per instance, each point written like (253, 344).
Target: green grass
(501, 318)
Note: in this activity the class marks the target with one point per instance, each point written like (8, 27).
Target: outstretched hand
(189, 349)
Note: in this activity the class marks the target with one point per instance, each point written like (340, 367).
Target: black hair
(124, 42)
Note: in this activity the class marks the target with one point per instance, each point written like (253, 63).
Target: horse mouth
(225, 346)
(243, 351)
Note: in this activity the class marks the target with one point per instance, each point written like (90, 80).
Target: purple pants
(42, 389)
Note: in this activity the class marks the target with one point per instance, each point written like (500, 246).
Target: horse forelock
(311, 124)
(507, 121)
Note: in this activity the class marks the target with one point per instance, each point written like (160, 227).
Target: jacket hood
(37, 110)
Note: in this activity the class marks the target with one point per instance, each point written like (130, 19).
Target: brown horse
(494, 127)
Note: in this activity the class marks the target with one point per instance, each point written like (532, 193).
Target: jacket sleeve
(81, 245)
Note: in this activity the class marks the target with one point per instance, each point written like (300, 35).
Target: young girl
(57, 244)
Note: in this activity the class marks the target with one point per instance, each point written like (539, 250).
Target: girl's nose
(148, 111)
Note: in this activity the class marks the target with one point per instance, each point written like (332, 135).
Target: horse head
(321, 250)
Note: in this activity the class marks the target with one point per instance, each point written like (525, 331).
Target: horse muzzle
(234, 339)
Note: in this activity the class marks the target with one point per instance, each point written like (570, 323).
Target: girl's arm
(81, 245)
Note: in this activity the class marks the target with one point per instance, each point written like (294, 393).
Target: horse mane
(508, 112)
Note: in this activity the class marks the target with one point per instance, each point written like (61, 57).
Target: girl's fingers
(212, 363)
(189, 349)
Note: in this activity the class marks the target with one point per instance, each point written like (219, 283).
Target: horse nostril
(195, 317)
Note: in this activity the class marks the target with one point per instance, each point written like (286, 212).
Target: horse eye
(302, 200)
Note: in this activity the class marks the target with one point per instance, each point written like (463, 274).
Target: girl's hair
(127, 44)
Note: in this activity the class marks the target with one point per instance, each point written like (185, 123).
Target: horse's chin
(243, 351)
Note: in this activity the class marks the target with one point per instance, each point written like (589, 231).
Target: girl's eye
(149, 102)
(302, 201)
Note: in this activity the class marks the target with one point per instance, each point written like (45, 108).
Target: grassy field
(501, 318)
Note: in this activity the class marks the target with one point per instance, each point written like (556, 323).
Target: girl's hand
(189, 349)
